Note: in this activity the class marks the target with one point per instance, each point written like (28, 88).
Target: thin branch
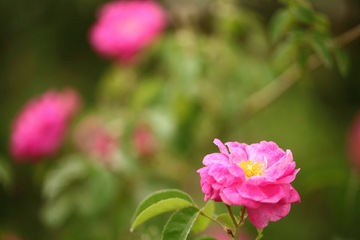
(241, 222)
(231, 215)
(278, 86)
(348, 36)
(260, 235)
(213, 219)
(242, 216)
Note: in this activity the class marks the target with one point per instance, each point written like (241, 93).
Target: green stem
(278, 86)
(231, 215)
(351, 192)
(241, 222)
(213, 219)
(242, 216)
(260, 235)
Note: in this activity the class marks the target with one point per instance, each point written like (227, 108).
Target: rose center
(251, 168)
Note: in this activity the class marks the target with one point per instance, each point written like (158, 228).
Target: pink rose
(125, 27)
(257, 176)
(40, 127)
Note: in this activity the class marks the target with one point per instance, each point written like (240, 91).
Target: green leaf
(5, 173)
(226, 219)
(285, 53)
(180, 223)
(304, 14)
(205, 238)
(55, 212)
(146, 92)
(160, 202)
(69, 170)
(202, 222)
(116, 84)
(322, 22)
(342, 60)
(302, 58)
(99, 190)
(279, 24)
(319, 43)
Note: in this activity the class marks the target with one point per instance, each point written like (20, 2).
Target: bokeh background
(161, 114)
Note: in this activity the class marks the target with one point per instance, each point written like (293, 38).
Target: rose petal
(221, 147)
(289, 178)
(214, 158)
(266, 212)
(231, 197)
(268, 153)
(238, 156)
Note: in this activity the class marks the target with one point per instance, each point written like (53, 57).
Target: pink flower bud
(40, 127)
(126, 27)
(92, 138)
(144, 140)
(353, 142)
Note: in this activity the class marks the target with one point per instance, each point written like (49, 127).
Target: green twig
(278, 86)
(231, 215)
(260, 235)
(213, 219)
(233, 219)
(242, 216)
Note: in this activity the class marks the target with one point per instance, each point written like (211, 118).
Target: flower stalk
(214, 220)
(260, 235)
(240, 222)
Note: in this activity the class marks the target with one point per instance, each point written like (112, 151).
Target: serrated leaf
(202, 222)
(226, 219)
(205, 238)
(279, 24)
(319, 43)
(180, 223)
(304, 14)
(342, 60)
(160, 202)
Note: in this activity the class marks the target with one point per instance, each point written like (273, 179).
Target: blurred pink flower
(92, 138)
(125, 27)
(40, 127)
(256, 176)
(353, 142)
(144, 140)
(10, 236)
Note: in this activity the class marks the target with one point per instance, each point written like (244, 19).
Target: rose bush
(257, 176)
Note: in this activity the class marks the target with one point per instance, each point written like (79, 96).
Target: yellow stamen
(251, 168)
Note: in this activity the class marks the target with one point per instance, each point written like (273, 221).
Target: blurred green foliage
(190, 87)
